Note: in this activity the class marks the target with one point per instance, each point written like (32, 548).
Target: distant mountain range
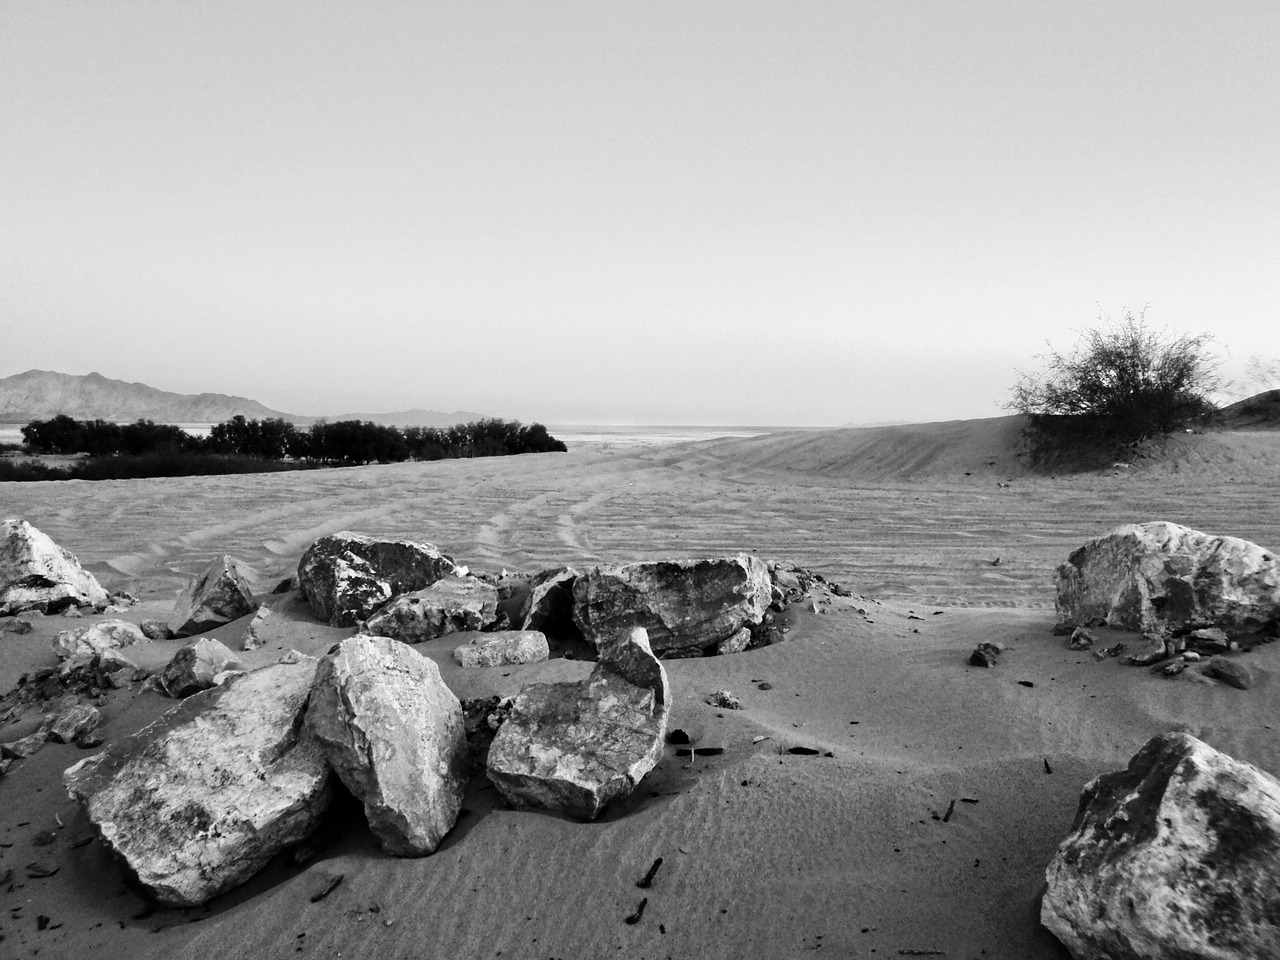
(41, 394)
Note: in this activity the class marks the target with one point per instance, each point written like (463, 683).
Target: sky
(696, 212)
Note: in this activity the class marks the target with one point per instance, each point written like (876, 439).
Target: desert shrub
(1123, 384)
(174, 463)
(25, 471)
(102, 438)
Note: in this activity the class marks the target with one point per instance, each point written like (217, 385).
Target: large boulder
(451, 605)
(37, 574)
(1162, 576)
(576, 747)
(346, 576)
(503, 648)
(219, 595)
(198, 666)
(394, 733)
(1173, 857)
(84, 643)
(200, 800)
(687, 607)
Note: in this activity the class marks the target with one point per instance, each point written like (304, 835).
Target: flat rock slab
(503, 648)
(218, 595)
(1152, 577)
(394, 734)
(37, 574)
(198, 801)
(577, 747)
(685, 606)
(451, 605)
(1173, 857)
(346, 576)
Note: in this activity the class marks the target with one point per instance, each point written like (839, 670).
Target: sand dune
(765, 854)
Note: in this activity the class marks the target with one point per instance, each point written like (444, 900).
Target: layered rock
(1173, 857)
(1160, 576)
(394, 733)
(84, 643)
(503, 648)
(687, 607)
(37, 574)
(451, 605)
(201, 799)
(198, 666)
(346, 576)
(576, 747)
(219, 595)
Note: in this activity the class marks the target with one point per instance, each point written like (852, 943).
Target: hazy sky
(698, 212)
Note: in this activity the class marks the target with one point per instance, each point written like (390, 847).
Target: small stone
(218, 595)
(734, 644)
(1081, 639)
(724, 700)
(1231, 672)
(21, 749)
(16, 626)
(156, 630)
(72, 613)
(986, 654)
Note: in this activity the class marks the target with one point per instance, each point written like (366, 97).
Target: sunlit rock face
(1173, 857)
(347, 576)
(37, 574)
(1162, 576)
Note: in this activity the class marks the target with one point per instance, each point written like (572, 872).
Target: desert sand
(765, 854)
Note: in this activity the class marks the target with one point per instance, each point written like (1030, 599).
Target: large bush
(1122, 385)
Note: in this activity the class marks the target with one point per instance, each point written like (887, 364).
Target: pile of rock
(1191, 595)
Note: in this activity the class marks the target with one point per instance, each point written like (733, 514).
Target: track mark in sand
(569, 527)
(292, 543)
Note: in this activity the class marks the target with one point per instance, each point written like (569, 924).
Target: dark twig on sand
(951, 808)
(647, 882)
(635, 917)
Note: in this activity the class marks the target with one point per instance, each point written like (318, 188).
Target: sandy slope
(766, 854)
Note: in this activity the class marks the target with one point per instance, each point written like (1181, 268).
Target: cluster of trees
(344, 442)
(103, 438)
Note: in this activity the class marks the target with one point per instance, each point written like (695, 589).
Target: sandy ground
(765, 854)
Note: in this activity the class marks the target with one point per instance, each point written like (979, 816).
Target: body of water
(574, 435)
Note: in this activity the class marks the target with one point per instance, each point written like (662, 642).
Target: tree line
(344, 442)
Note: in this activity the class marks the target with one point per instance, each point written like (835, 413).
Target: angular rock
(451, 605)
(37, 574)
(1174, 857)
(26, 747)
(503, 648)
(549, 604)
(108, 670)
(1164, 577)
(346, 576)
(1209, 640)
(1153, 649)
(576, 747)
(735, 644)
(394, 734)
(73, 722)
(219, 595)
(200, 800)
(15, 626)
(1231, 672)
(83, 643)
(252, 639)
(197, 667)
(685, 606)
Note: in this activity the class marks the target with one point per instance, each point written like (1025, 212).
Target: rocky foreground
(372, 714)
